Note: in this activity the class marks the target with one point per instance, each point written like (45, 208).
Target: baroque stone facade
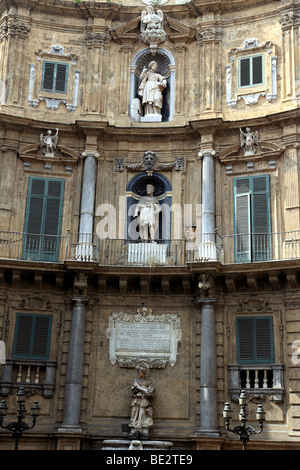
(221, 154)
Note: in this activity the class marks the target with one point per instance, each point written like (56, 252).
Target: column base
(206, 432)
(69, 428)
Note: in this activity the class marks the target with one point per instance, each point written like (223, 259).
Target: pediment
(129, 30)
(235, 153)
(34, 152)
(176, 31)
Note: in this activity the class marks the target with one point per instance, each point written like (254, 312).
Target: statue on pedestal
(48, 143)
(142, 391)
(151, 86)
(249, 140)
(148, 207)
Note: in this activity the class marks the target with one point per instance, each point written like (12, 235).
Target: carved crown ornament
(253, 304)
(149, 163)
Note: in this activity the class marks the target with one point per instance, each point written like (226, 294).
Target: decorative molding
(143, 335)
(233, 94)
(253, 305)
(149, 164)
(53, 103)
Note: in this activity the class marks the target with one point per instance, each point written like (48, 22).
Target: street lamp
(244, 430)
(18, 427)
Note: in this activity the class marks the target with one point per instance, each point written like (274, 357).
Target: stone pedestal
(127, 444)
(208, 251)
(150, 253)
(151, 118)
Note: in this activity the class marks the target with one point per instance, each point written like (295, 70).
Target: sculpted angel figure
(49, 142)
(249, 140)
(142, 391)
(150, 19)
(148, 209)
(151, 86)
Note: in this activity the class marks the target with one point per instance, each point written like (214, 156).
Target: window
(43, 219)
(55, 77)
(255, 340)
(252, 219)
(32, 336)
(251, 71)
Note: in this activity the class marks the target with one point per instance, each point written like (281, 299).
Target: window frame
(53, 89)
(252, 255)
(40, 252)
(30, 355)
(255, 360)
(251, 84)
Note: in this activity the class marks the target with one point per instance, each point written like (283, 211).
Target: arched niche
(136, 188)
(166, 67)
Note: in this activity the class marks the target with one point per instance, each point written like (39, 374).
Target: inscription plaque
(143, 335)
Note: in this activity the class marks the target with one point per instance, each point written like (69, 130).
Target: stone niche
(143, 335)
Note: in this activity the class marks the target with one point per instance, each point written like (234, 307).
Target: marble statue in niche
(148, 209)
(48, 143)
(249, 140)
(142, 391)
(150, 90)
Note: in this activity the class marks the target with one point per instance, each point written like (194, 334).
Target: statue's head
(150, 189)
(153, 65)
(149, 160)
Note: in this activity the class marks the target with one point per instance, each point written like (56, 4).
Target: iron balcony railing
(226, 249)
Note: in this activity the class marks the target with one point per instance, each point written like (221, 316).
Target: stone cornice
(127, 13)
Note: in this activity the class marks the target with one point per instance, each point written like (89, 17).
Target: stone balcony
(226, 250)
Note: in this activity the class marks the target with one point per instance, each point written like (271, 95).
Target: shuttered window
(55, 77)
(255, 340)
(252, 219)
(251, 71)
(32, 336)
(43, 219)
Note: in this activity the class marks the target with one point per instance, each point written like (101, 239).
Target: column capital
(207, 152)
(200, 301)
(90, 153)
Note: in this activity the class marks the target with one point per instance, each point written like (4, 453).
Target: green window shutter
(245, 72)
(260, 218)
(55, 77)
(257, 70)
(61, 75)
(23, 335)
(43, 219)
(32, 336)
(48, 76)
(242, 219)
(255, 340)
(252, 218)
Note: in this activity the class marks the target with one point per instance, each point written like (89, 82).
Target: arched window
(166, 67)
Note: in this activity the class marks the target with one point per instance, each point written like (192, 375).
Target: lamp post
(244, 430)
(18, 427)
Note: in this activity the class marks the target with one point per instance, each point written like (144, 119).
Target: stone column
(73, 385)
(84, 249)
(207, 248)
(208, 369)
